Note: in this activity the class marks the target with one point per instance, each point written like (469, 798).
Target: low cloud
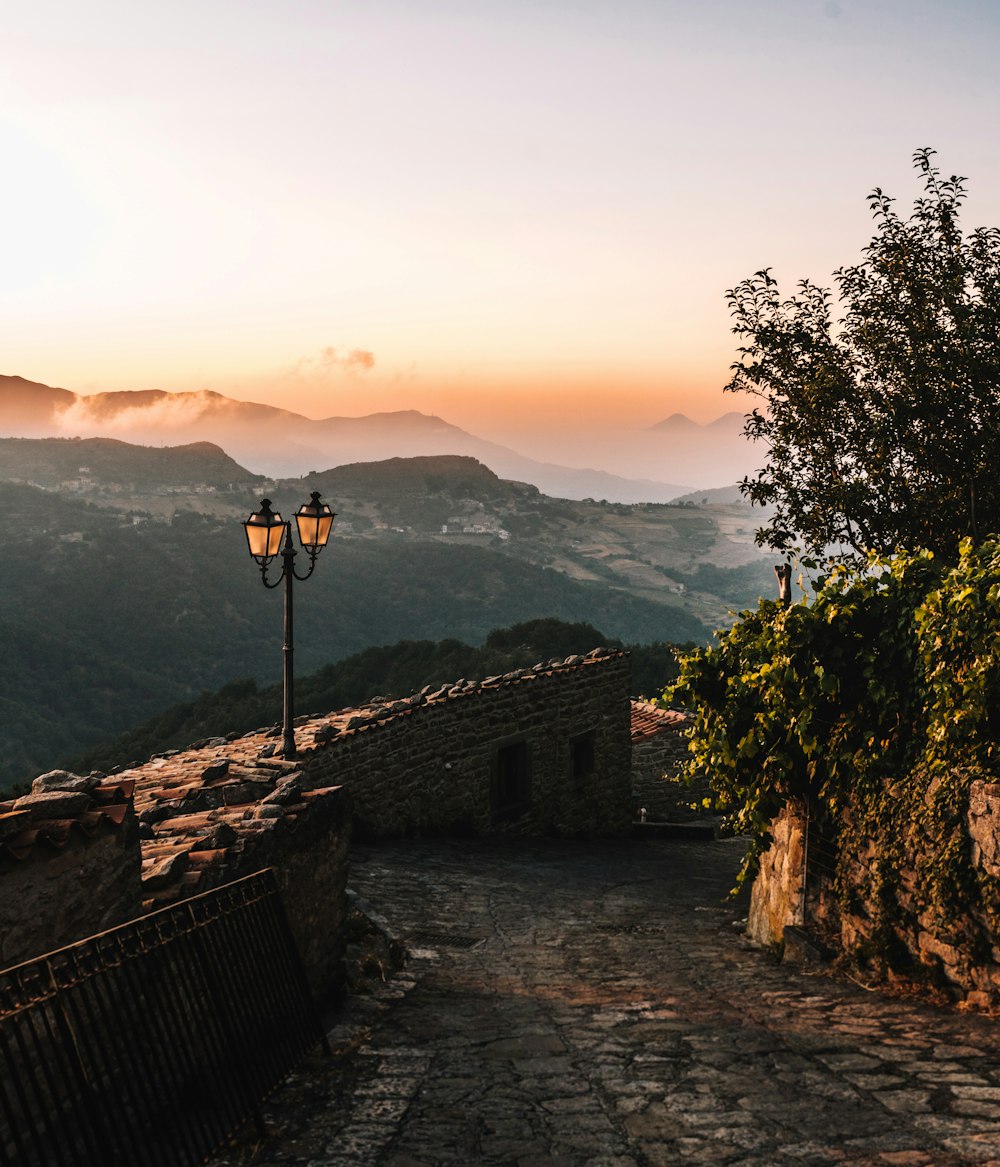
(332, 361)
(101, 416)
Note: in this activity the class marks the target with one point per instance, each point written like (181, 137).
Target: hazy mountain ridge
(652, 551)
(53, 462)
(630, 466)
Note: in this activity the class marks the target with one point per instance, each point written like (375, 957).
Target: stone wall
(442, 761)
(904, 937)
(69, 865)
(538, 751)
(310, 863)
(776, 897)
(659, 757)
(76, 859)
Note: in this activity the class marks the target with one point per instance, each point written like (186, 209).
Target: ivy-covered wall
(875, 908)
(875, 708)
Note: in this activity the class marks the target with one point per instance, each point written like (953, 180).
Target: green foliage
(882, 423)
(877, 704)
(808, 700)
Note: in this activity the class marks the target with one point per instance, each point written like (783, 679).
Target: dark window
(582, 755)
(512, 794)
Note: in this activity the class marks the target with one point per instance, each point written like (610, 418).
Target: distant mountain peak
(675, 423)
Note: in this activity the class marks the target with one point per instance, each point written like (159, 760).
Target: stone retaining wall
(442, 760)
(538, 751)
(961, 955)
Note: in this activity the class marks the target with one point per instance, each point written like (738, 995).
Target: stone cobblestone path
(595, 1005)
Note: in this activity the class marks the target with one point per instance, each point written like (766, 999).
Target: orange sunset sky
(519, 214)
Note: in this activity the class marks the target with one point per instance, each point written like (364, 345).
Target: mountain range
(129, 587)
(660, 462)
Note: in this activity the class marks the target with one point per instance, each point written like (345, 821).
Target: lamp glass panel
(265, 538)
(314, 528)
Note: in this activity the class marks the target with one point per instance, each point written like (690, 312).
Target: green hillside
(110, 618)
(390, 671)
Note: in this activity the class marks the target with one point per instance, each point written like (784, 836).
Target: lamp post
(269, 535)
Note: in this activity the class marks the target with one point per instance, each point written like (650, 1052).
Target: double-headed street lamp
(269, 535)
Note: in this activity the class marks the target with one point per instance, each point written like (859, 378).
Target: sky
(521, 215)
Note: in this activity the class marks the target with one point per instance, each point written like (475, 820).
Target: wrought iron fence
(152, 1043)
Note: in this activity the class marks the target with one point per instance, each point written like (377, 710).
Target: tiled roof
(648, 720)
(30, 828)
(200, 808)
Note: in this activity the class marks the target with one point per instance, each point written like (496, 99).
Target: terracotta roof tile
(22, 831)
(186, 797)
(648, 720)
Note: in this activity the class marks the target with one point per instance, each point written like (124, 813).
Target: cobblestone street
(596, 1004)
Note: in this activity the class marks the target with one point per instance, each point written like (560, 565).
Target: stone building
(659, 756)
(537, 751)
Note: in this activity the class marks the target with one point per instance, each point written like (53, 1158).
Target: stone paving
(596, 1005)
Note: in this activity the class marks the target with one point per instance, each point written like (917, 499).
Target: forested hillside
(109, 617)
(389, 671)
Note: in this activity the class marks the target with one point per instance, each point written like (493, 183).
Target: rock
(267, 751)
(155, 814)
(269, 810)
(222, 835)
(166, 871)
(216, 770)
(285, 793)
(54, 804)
(325, 733)
(63, 780)
(238, 793)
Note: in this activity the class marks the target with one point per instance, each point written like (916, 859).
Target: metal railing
(154, 1042)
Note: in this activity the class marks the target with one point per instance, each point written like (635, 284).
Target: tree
(882, 421)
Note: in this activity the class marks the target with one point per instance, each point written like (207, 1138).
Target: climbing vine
(877, 703)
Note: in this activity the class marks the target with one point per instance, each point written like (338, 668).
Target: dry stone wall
(69, 864)
(542, 750)
(776, 899)
(958, 950)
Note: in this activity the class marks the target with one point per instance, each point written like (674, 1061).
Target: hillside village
(546, 750)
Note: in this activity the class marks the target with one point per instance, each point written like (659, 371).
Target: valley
(130, 589)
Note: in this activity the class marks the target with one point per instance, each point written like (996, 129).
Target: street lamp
(269, 535)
